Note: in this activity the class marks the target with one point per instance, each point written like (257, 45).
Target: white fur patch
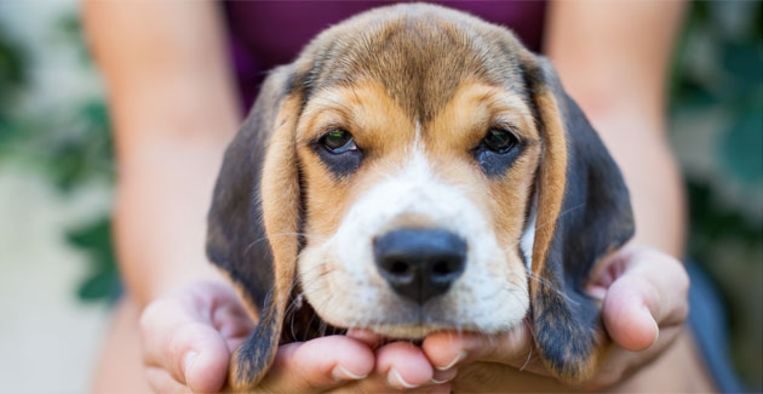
(527, 241)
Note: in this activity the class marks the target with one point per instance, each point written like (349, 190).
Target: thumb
(198, 357)
(190, 350)
(650, 293)
(627, 315)
(447, 349)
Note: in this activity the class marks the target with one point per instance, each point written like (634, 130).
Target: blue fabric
(708, 321)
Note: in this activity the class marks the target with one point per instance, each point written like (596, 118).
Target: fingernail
(340, 373)
(647, 315)
(656, 333)
(455, 361)
(441, 377)
(656, 338)
(188, 360)
(396, 380)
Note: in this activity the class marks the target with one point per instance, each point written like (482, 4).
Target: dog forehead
(419, 53)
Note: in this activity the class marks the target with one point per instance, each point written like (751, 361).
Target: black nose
(420, 263)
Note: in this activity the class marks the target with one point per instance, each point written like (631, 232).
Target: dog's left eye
(499, 140)
(338, 141)
(497, 150)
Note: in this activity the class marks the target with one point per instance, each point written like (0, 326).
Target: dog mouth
(408, 321)
(299, 329)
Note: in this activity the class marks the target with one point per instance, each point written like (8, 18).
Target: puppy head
(416, 169)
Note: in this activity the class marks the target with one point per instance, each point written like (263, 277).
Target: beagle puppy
(417, 169)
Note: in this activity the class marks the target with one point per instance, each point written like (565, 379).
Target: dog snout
(420, 263)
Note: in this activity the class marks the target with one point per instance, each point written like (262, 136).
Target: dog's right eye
(338, 151)
(338, 141)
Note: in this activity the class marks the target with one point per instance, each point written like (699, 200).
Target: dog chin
(419, 331)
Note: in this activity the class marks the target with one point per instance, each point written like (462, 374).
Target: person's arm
(613, 59)
(174, 110)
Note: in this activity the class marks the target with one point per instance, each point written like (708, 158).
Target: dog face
(413, 223)
(416, 169)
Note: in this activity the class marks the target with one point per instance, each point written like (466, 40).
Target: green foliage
(74, 161)
(70, 145)
(12, 70)
(95, 239)
(12, 79)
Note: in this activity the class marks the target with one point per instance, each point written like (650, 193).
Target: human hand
(644, 296)
(352, 363)
(189, 335)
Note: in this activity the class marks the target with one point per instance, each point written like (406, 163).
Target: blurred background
(58, 277)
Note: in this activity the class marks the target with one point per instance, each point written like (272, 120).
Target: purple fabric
(266, 34)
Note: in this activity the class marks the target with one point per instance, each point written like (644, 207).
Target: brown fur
(552, 180)
(377, 123)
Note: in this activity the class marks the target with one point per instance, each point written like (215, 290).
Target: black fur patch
(236, 239)
(253, 358)
(595, 218)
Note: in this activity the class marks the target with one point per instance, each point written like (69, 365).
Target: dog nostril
(399, 268)
(441, 268)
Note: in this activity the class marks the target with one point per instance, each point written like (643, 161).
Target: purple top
(267, 34)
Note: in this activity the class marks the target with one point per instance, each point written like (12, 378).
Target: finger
(376, 383)
(233, 325)
(318, 365)
(650, 293)
(439, 389)
(627, 316)
(198, 356)
(411, 371)
(158, 322)
(370, 338)
(231, 320)
(191, 350)
(620, 363)
(403, 365)
(444, 376)
(669, 302)
(447, 349)
(161, 382)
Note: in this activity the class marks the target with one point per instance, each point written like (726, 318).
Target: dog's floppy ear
(254, 219)
(583, 213)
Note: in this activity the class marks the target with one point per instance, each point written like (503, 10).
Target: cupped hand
(189, 335)
(644, 296)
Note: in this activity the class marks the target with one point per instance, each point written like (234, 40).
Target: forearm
(652, 176)
(164, 192)
(174, 109)
(163, 195)
(612, 59)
